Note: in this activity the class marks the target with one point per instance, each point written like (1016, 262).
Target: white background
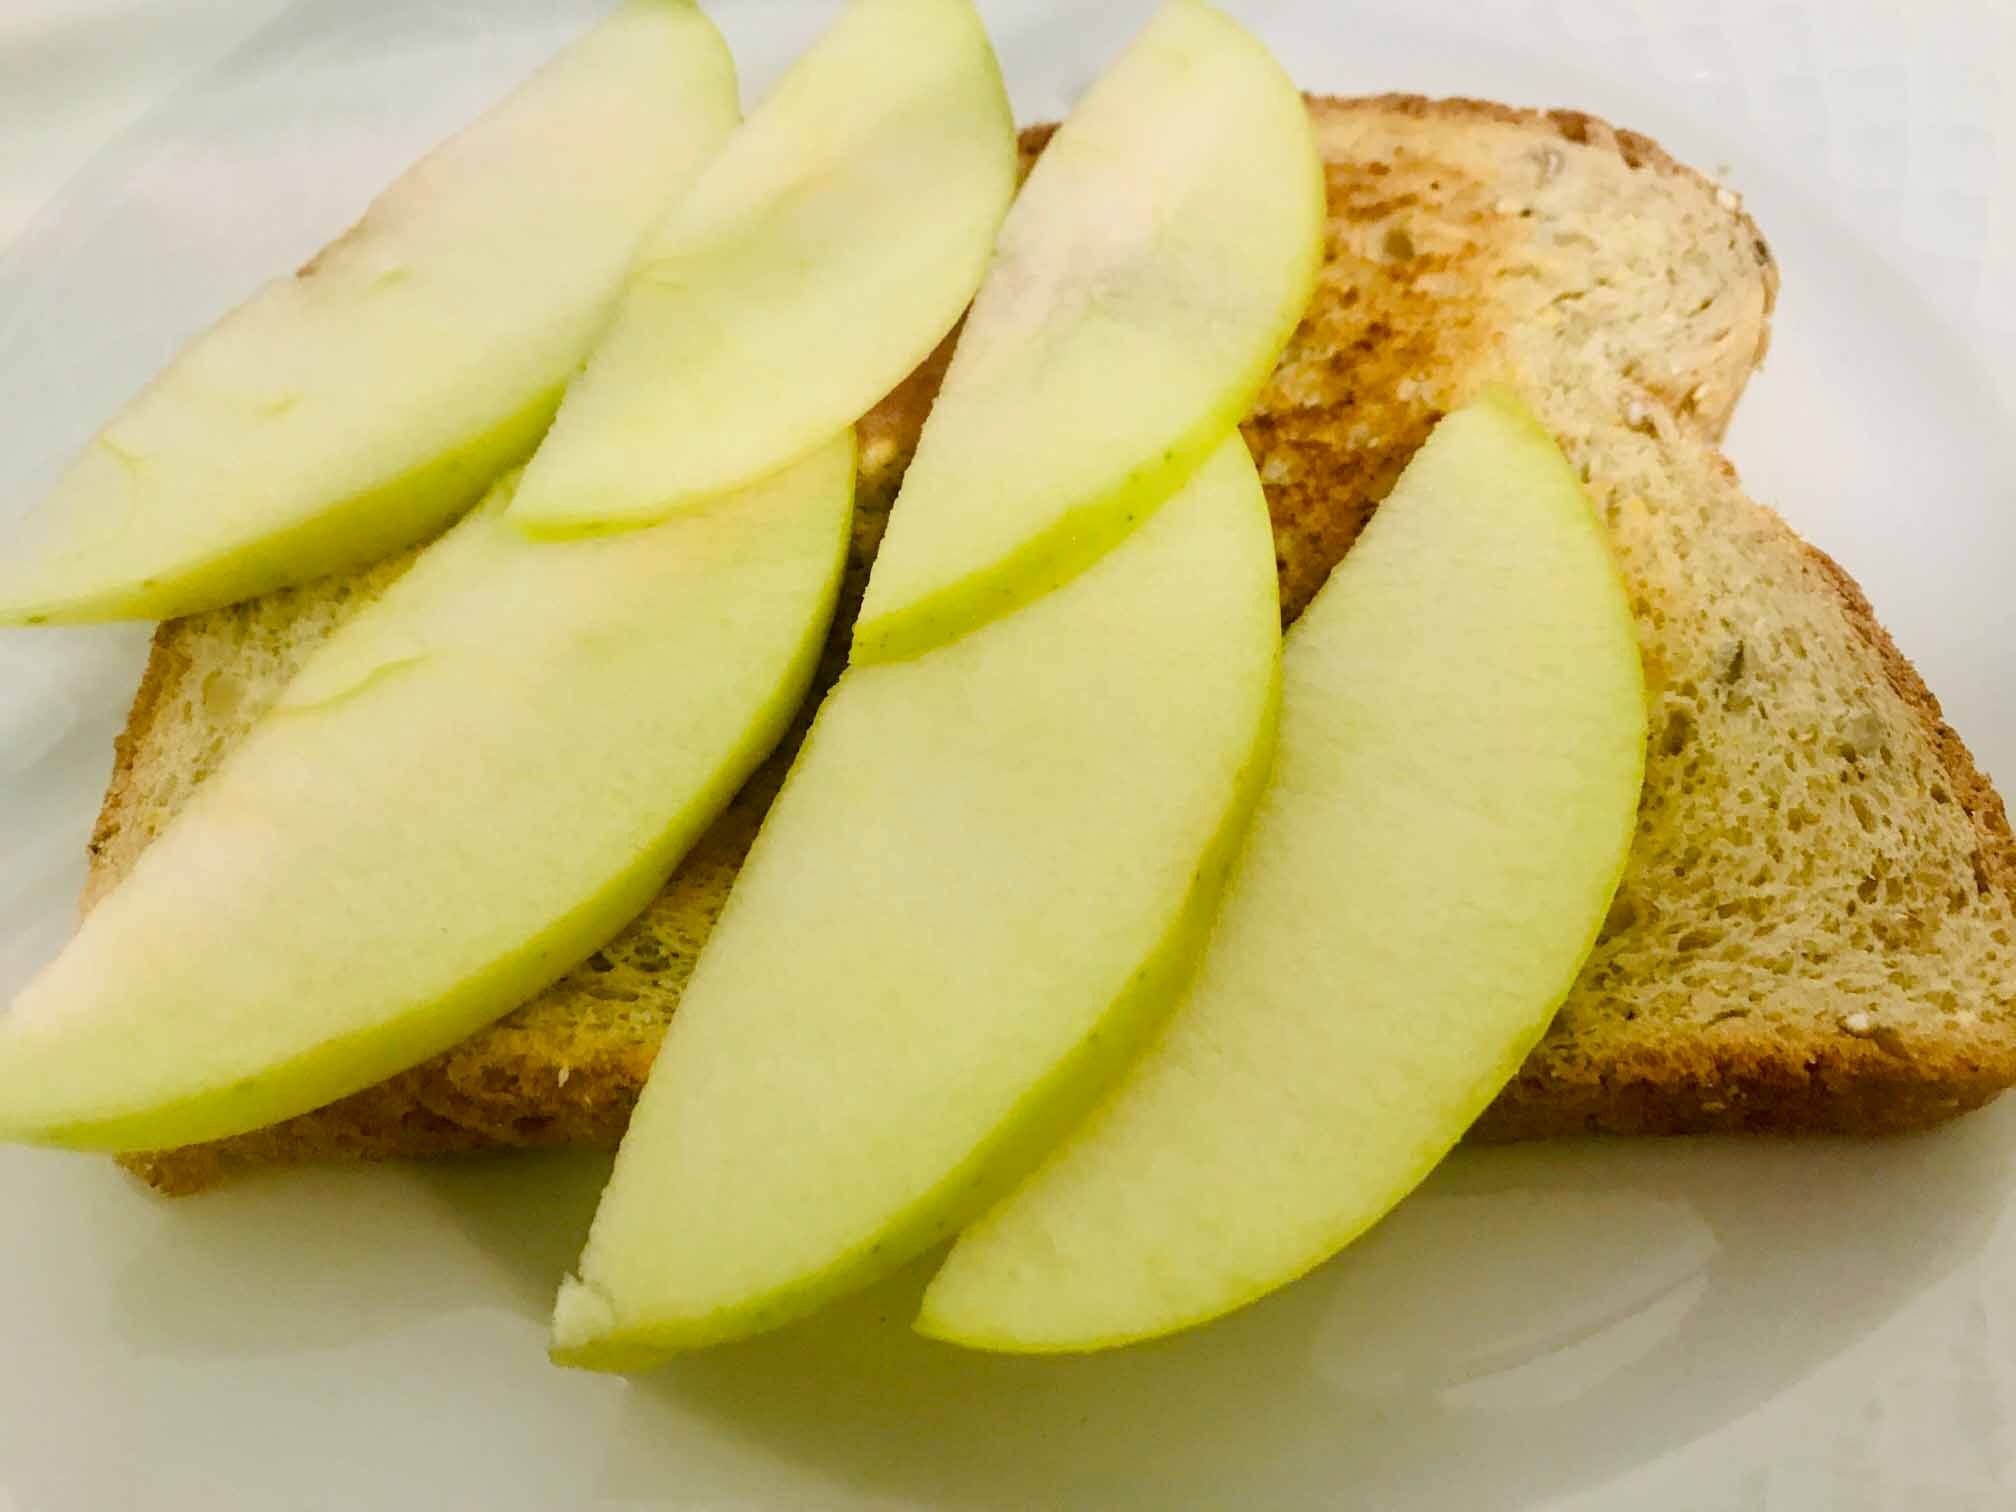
(1694, 1325)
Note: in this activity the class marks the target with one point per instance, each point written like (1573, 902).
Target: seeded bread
(1815, 930)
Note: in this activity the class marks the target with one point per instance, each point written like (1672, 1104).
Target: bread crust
(167, 663)
(1995, 866)
(1584, 130)
(514, 1087)
(1821, 1082)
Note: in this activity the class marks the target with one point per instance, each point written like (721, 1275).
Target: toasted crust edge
(1847, 1086)
(1584, 130)
(1995, 864)
(165, 660)
(1833, 1084)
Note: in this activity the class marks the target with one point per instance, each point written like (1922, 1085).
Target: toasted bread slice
(1816, 930)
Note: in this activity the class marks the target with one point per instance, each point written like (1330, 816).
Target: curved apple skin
(817, 260)
(360, 405)
(469, 788)
(1461, 747)
(985, 880)
(1146, 279)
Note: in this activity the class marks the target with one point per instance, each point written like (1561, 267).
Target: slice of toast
(1816, 930)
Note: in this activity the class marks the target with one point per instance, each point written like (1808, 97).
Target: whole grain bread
(1816, 929)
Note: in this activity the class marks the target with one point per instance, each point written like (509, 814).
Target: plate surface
(1662, 1325)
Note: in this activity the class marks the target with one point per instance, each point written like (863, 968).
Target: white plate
(1667, 1325)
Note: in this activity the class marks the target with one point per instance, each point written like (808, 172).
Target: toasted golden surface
(1815, 930)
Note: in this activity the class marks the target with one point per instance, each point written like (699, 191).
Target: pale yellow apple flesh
(1158, 257)
(818, 259)
(984, 880)
(1461, 743)
(473, 785)
(361, 404)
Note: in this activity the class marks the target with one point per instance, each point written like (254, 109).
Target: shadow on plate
(1534, 1321)
(289, 1261)
(528, 1214)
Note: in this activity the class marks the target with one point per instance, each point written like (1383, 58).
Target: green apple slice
(819, 259)
(358, 406)
(1145, 281)
(984, 880)
(1462, 738)
(473, 785)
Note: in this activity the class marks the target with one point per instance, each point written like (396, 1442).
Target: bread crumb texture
(1815, 929)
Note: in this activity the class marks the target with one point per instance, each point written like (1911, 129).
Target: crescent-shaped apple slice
(358, 406)
(470, 787)
(818, 259)
(1462, 740)
(1151, 269)
(985, 879)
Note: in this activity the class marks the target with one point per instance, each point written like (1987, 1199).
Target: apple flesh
(1461, 744)
(986, 876)
(816, 261)
(472, 786)
(1158, 257)
(360, 405)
